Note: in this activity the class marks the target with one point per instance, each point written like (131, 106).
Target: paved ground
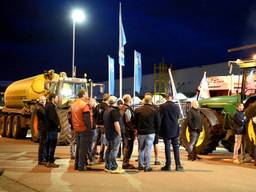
(215, 172)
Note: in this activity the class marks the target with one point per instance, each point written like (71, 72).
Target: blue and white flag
(137, 71)
(111, 75)
(122, 38)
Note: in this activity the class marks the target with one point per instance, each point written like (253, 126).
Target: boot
(191, 157)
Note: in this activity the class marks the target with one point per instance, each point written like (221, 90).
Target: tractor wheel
(3, 126)
(34, 127)
(8, 130)
(207, 141)
(250, 138)
(65, 132)
(18, 132)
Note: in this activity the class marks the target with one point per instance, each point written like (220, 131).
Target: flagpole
(173, 88)
(120, 80)
(134, 75)
(120, 65)
(108, 76)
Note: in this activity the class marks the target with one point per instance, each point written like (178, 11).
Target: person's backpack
(100, 108)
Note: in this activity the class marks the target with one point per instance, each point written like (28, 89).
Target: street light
(77, 16)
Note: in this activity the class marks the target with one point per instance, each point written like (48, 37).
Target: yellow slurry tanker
(20, 97)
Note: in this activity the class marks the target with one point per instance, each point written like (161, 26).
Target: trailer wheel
(34, 127)
(3, 126)
(9, 127)
(18, 132)
(207, 141)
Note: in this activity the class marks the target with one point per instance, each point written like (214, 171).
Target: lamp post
(77, 16)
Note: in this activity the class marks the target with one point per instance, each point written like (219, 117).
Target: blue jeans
(72, 144)
(111, 153)
(83, 142)
(175, 145)
(90, 146)
(145, 148)
(51, 143)
(193, 140)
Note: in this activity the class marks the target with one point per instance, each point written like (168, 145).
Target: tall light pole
(77, 16)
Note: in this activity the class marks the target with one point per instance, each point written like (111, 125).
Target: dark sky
(37, 34)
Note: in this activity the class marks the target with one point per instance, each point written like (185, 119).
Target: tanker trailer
(18, 113)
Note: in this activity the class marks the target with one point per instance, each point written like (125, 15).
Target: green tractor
(217, 114)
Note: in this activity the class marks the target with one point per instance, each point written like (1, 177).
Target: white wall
(186, 80)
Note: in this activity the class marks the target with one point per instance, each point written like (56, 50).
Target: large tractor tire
(208, 140)
(18, 132)
(64, 137)
(250, 138)
(8, 130)
(34, 127)
(3, 126)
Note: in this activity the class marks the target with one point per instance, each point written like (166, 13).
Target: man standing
(53, 127)
(81, 121)
(40, 112)
(99, 111)
(111, 119)
(195, 127)
(129, 135)
(239, 124)
(147, 124)
(170, 113)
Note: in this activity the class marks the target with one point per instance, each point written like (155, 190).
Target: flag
(122, 38)
(171, 86)
(137, 71)
(172, 90)
(250, 84)
(203, 88)
(111, 75)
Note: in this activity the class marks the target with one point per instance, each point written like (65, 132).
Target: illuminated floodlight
(78, 16)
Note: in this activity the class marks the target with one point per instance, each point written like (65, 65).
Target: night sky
(36, 35)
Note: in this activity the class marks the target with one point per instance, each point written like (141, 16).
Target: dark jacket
(52, 119)
(40, 112)
(99, 111)
(169, 113)
(194, 120)
(239, 122)
(147, 120)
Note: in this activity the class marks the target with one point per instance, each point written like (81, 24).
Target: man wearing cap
(147, 124)
(111, 119)
(98, 113)
(170, 113)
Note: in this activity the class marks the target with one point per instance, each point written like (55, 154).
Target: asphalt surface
(214, 172)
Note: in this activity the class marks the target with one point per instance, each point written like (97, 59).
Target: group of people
(113, 122)
(116, 122)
